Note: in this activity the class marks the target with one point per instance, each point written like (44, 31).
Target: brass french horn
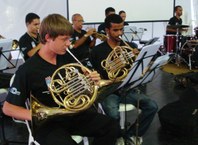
(119, 62)
(70, 89)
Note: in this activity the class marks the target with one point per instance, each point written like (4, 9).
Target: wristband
(85, 35)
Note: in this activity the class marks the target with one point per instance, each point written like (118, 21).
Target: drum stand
(191, 48)
(178, 57)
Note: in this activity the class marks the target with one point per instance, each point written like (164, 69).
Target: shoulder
(34, 60)
(101, 27)
(126, 24)
(100, 46)
(24, 38)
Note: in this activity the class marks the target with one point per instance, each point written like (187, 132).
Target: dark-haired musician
(114, 28)
(123, 16)
(175, 20)
(108, 11)
(34, 77)
(29, 43)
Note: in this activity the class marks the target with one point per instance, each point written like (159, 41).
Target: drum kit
(184, 47)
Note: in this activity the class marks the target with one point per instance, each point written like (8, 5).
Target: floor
(163, 89)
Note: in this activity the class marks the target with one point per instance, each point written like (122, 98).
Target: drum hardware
(177, 26)
(178, 57)
(188, 49)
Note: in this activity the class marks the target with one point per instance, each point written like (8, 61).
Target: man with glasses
(81, 40)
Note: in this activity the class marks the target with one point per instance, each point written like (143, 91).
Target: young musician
(114, 28)
(108, 11)
(175, 20)
(123, 16)
(29, 43)
(34, 76)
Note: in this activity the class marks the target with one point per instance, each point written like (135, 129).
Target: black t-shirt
(100, 53)
(32, 77)
(101, 28)
(174, 21)
(82, 51)
(126, 24)
(26, 43)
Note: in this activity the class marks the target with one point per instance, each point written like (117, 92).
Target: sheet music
(141, 64)
(149, 76)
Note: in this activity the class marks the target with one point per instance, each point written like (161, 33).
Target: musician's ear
(48, 38)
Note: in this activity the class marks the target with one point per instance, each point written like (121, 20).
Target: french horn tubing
(70, 89)
(119, 62)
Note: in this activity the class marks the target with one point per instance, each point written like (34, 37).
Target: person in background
(123, 16)
(108, 11)
(114, 29)
(82, 42)
(175, 20)
(29, 43)
(34, 77)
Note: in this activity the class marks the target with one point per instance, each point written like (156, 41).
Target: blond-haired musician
(33, 77)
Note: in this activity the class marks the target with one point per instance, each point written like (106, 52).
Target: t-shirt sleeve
(25, 45)
(18, 92)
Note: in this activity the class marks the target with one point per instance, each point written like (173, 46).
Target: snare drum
(170, 43)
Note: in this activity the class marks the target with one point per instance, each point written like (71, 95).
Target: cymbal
(177, 26)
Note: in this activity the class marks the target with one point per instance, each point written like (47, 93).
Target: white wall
(12, 15)
(134, 9)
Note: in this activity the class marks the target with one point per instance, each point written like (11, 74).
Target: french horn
(119, 62)
(70, 89)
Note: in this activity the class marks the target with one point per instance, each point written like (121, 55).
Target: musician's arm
(34, 50)
(16, 111)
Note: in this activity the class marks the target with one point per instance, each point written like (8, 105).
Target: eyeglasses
(80, 21)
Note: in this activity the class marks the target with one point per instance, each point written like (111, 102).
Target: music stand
(139, 69)
(141, 64)
(155, 66)
(129, 32)
(5, 54)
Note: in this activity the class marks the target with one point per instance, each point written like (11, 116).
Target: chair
(123, 108)
(4, 140)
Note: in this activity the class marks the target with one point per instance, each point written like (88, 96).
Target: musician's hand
(95, 76)
(91, 31)
(136, 51)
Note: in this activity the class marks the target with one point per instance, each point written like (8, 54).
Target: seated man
(108, 11)
(81, 39)
(33, 77)
(114, 28)
(29, 43)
